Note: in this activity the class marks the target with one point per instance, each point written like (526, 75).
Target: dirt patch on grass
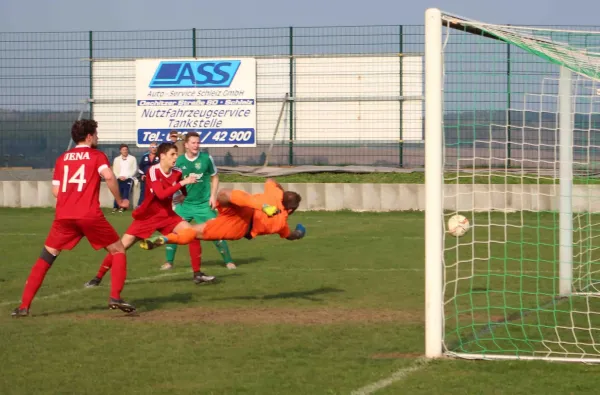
(396, 355)
(262, 316)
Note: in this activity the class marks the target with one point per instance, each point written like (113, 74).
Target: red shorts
(232, 223)
(144, 228)
(65, 234)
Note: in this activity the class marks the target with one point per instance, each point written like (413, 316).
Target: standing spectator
(125, 168)
(174, 138)
(149, 159)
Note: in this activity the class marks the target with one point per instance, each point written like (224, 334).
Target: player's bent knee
(127, 241)
(49, 255)
(116, 248)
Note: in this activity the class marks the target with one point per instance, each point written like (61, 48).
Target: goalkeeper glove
(270, 210)
(300, 228)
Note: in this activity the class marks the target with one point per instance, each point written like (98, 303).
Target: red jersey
(158, 193)
(77, 176)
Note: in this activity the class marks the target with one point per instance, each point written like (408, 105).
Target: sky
(118, 15)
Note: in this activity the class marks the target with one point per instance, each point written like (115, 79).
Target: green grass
(416, 177)
(326, 315)
(351, 178)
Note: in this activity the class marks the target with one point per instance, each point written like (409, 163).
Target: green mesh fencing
(47, 81)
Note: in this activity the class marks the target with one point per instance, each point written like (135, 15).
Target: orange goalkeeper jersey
(277, 224)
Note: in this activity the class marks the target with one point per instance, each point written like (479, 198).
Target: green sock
(223, 250)
(171, 250)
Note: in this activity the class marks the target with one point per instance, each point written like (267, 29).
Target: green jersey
(203, 167)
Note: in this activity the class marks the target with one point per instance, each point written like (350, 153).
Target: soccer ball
(458, 225)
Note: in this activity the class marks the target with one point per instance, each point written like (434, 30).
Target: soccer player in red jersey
(156, 213)
(76, 186)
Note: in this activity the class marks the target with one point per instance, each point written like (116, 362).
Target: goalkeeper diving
(242, 215)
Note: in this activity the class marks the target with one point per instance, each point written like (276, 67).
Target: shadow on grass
(238, 262)
(218, 279)
(155, 302)
(306, 295)
(142, 305)
(90, 309)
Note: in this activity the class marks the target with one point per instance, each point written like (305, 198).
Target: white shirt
(125, 167)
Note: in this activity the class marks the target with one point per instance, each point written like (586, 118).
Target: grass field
(333, 313)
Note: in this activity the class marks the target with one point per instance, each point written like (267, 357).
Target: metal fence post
(291, 111)
(400, 138)
(194, 42)
(508, 103)
(91, 72)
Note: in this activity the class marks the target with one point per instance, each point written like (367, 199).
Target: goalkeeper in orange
(242, 215)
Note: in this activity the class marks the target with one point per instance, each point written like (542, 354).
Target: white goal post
(523, 283)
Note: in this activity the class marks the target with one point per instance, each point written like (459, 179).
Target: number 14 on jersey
(78, 178)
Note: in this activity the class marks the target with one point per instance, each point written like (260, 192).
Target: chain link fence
(346, 95)
(48, 80)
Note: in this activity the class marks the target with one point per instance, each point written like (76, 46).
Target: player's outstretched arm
(244, 199)
(165, 193)
(275, 183)
(297, 233)
(113, 187)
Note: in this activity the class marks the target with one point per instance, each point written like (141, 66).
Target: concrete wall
(360, 197)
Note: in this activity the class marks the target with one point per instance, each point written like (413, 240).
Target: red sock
(196, 255)
(118, 275)
(105, 266)
(34, 281)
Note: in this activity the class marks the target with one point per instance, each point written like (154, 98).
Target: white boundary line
(82, 289)
(19, 234)
(399, 375)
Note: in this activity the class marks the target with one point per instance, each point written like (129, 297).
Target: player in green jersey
(199, 205)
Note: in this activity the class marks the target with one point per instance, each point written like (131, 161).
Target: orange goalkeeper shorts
(232, 223)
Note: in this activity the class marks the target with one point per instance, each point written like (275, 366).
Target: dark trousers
(124, 189)
(142, 189)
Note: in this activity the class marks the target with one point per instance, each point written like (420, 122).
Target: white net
(571, 48)
(504, 281)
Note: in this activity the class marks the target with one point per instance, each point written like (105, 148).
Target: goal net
(512, 143)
